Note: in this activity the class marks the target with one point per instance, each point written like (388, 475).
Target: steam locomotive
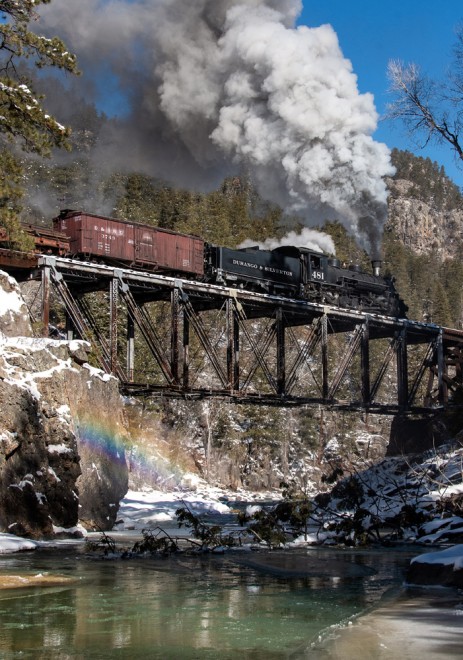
(294, 272)
(298, 272)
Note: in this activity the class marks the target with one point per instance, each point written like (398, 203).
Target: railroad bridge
(162, 335)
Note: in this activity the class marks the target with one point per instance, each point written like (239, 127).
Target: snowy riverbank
(426, 624)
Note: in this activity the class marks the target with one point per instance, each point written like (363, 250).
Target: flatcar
(46, 240)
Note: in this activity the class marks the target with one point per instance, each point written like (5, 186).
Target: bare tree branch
(426, 108)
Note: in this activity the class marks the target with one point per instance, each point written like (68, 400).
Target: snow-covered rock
(14, 317)
(61, 434)
(444, 567)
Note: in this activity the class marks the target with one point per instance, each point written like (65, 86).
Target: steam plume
(218, 85)
(308, 238)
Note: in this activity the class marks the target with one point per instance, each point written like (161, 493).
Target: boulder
(444, 568)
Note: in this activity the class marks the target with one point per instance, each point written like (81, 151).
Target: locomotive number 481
(318, 275)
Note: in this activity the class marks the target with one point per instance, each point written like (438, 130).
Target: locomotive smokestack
(376, 265)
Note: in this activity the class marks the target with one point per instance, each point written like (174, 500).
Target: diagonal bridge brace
(140, 316)
(346, 360)
(82, 320)
(259, 353)
(200, 329)
(311, 342)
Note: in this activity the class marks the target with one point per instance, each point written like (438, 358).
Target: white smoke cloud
(219, 85)
(308, 238)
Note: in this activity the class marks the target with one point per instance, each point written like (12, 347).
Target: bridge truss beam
(196, 340)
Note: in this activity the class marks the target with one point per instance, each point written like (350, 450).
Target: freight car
(120, 242)
(46, 240)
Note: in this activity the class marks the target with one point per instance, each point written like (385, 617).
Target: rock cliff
(61, 431)
(423, 224)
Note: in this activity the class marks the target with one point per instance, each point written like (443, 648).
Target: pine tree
(10, 196)
(24, 122)
(442, 312)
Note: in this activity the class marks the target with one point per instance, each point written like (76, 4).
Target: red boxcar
(131, 243)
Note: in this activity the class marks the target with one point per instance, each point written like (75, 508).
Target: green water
(229, 606)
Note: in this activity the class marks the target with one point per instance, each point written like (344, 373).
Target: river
(243, 605)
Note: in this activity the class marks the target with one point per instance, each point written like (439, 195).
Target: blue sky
(372, 32)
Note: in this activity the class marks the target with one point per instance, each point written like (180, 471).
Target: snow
(141, 509)
(59, 449)
(11, 301)
(64, 412)
(97, 373)
(77, 530)
(11, 543)
(53, 473)
(8, 436)
(448, 557)
(309, 539)
(77, 344)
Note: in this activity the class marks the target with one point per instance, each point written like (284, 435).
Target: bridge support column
(174, 349)
(186, 351)
(324, 347)
(281, 354)
(402, 370)
(130, 348)
(365, 362)
(69, 328)
(441, 371)
(45, 300)
(113, 303)
(233, 347)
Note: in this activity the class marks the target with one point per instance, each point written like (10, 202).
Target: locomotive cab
(313, 264)
(316, 267)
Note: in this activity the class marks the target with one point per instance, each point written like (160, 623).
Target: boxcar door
(145, 245)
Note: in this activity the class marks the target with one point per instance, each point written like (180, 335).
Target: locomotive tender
(294, 272)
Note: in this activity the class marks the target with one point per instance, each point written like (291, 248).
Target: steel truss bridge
(182, 338)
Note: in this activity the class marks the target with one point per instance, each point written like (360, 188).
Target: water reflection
(247, 606)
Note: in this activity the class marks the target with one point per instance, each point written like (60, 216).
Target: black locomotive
(302, 273)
